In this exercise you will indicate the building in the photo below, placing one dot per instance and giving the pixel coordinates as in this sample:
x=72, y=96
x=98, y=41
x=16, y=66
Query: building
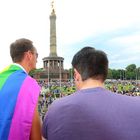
x=53, y=65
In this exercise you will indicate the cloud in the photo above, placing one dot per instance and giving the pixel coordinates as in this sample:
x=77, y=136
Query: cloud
x=122, y=46
x=125, y=60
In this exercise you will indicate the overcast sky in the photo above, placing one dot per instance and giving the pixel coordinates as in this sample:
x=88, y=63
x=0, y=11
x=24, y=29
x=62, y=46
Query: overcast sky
x=109, y=25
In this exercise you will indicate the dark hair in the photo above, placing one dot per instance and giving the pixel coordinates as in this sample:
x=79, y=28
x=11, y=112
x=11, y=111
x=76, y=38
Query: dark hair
x=91, y=63
x=19, y=47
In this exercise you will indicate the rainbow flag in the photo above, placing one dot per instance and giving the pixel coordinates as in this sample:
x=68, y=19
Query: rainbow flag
x=18, y=99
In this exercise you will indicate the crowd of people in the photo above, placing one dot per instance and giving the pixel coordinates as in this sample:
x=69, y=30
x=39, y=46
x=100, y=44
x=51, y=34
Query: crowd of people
x=125, y=87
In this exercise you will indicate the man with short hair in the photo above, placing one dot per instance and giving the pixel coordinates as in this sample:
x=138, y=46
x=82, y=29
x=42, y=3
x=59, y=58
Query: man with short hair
x=92, y=112
x=19, y=119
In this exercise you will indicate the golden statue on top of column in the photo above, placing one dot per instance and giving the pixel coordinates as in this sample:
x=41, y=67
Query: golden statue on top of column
x=52, y=5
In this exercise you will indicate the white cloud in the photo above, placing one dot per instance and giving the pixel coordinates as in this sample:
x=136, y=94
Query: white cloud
x=125, y=60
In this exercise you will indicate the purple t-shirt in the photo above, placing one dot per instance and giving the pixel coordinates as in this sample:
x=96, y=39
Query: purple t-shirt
x=93, y=114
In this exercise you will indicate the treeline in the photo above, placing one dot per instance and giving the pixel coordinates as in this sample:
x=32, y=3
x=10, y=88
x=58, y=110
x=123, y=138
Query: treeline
x=131, y=72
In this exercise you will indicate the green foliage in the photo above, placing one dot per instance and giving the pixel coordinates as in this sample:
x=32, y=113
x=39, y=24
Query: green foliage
x=109, y=76
x=131, y=68
x=32, y=72
x=71, y=72
x=130, y=73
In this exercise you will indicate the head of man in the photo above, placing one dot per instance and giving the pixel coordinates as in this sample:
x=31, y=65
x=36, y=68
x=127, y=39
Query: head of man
x=24, y=53
x=89, y=63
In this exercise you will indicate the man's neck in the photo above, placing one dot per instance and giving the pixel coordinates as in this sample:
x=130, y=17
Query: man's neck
x=23, y=66
x=90, y=83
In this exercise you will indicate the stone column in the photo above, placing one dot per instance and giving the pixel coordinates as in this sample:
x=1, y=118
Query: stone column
x=53, y=32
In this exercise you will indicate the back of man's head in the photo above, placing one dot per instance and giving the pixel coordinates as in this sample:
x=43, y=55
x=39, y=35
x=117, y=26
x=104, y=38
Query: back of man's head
x=19, y=47
x=91, y=63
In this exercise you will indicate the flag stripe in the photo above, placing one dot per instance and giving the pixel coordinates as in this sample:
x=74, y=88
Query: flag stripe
x=24, y=110
x=8, y=96
x=6, y=73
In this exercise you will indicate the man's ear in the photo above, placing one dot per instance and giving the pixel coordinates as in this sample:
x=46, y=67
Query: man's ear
x=29, y=55
x=77, y=75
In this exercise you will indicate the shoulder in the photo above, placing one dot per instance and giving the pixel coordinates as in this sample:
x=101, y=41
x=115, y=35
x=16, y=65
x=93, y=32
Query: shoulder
x=63, y=107
x=31, y=87
x=32, y=82
x=70, y=99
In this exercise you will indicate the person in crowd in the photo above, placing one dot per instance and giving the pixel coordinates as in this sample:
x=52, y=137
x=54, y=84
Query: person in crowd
x=92, y=112
x=19, y=119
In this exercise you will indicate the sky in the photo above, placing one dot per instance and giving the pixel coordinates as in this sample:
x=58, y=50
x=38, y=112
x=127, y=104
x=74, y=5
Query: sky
x=109, y=25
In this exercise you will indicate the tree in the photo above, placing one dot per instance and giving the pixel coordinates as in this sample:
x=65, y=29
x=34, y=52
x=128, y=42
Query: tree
x=115, y=74
x=131, y=72
x=131, y=67
x=109, y=75
x=71, y=73
x=33, y=72
x=138, y=73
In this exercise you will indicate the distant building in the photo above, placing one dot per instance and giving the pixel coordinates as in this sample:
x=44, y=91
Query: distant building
x=52, y=65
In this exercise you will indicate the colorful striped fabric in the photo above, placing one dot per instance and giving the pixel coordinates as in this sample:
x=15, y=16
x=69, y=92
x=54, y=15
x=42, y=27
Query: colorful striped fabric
x=18, y=98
